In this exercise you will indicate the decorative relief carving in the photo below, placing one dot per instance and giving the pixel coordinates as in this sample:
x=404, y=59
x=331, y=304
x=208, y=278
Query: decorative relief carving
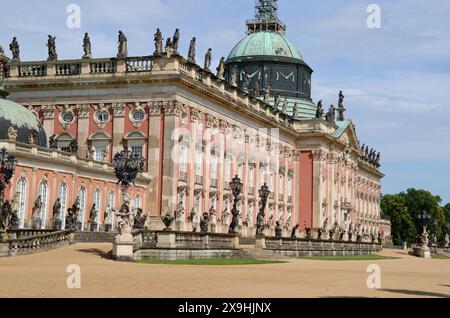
x=155, y=108
x=66, y=115
x=118, y=109
x=83, y=111
x=195, y=114
x=101, y=115
x=49, y=111
x=137, y=114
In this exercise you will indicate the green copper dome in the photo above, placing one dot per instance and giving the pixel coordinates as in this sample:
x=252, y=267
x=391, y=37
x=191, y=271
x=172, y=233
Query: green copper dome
x=23, y=120
x=265, y=43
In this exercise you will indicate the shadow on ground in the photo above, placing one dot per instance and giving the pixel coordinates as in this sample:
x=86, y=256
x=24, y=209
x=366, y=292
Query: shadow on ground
x=416, y=293
x=95, y=251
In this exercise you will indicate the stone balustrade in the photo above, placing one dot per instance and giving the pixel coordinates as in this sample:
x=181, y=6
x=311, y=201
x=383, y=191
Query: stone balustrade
x=304, y=247
x=183, y=240
x=28, y=242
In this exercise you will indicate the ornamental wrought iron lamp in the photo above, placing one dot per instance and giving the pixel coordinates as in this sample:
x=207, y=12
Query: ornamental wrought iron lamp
x=126, y=168
x=8, y=164
x=236, y=188
x=264, y=193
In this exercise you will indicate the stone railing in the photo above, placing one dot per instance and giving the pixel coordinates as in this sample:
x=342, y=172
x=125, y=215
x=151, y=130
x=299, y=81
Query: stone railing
x=300, y=247
x=139, y=64
x=67, y=69
x=31, y=70
x=103, y=66
x=22, y=233
x=183, y=240
x=41, y=241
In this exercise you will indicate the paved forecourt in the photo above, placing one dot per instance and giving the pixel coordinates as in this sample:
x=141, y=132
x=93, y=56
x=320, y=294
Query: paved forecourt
x=45, y=275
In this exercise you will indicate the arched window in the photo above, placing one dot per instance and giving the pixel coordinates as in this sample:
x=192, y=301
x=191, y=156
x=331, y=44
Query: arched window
x=43, y=192
x=289, y=186
x=100, y=145
x=251, y=176
x=63, y=142
x=97, y=201
x=63, y=200
x=82, y=197
x=22, y=189
x=137, y=202
x=136, y=142
x=281, y=185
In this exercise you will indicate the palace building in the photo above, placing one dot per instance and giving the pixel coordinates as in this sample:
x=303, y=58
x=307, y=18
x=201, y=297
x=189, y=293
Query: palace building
x=254, y=118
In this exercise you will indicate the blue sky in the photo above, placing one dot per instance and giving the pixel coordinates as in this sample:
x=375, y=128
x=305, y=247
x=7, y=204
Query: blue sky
x=396, y=79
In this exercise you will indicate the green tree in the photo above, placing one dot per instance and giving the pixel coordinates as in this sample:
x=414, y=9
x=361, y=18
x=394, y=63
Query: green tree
x=446, y=211
x=417, y=201
x=403, y=228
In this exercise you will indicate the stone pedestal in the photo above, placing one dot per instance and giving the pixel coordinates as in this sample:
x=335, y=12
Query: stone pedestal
x=166, y=240
x=57, y=224
x=4, y=248
x=422, y=251
x=260, y=241
x=36, y=224
x=123, y=248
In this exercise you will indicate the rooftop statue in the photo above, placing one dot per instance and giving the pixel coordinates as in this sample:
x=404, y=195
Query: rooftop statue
x=87, y=47
x=285, y=106
x=245, y=82
x=267, y=95
x=221, y=68
x=36, y=208
x=234, y=76
x=295, y=113
x=12, y=134
x=169, y=47
x=331, y=115
x=158, y=42
x=53, y=144
x=208, y=58
x=341, y=100
x=15, y=50
x=256, y=90
x=51, y=44
x=123, y=45
x=191, y=53
x=320, y=111
x=176, y=40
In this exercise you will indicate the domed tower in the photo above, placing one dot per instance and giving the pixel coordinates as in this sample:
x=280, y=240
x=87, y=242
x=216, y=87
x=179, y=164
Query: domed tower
x=17, y=116
x=267, y=57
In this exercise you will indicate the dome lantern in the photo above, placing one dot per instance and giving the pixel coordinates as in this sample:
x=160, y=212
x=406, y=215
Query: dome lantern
x=267, y=61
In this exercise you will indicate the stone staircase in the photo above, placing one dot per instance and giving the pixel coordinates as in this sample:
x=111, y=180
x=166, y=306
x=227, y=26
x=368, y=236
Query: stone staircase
x=252, y=252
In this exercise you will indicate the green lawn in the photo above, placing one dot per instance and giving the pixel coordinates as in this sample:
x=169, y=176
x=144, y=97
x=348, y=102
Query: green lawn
x=440, y=257
x=373, y=257
x=213, y=261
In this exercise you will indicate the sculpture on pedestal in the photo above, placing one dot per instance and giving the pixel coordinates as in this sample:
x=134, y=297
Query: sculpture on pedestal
x=51, y=44
x=278, y=231
x=35, y=218
x=139, y=220
x=73, y=147
x=87, y=47
x=15, y=206
x=267, y=95
x=169, y=47
x=123, y=46
x=15, y=50
x=208, y=59
x=236, y=188
x=295, y=113
x=93, y=218
x=245, y=82
x=176, y=40
x=320, y=111
x=52, y=142
x=57, y=223
x=447, y=241
x=204, y=223
x=125, y=216
x=168, y=221
x=191, y=53
x=12, y=134
x=221, y=68
x=32, y=138
x=263, y=195
x=331, y=115
x=256, y=90
x=284, y=109
x=73, y=215
x=294, y=232
x=234, y=76
x=158, y=42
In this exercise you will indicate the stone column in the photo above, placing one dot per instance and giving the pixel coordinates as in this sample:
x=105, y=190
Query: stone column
x=118, y=127
x=154, y=160
x=83, y=129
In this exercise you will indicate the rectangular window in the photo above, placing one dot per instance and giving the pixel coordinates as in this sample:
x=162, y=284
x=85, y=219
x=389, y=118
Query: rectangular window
x=137, y=151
